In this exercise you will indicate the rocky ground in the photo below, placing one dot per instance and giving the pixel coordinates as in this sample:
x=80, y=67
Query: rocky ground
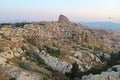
x=47, y=50
x=108, y=75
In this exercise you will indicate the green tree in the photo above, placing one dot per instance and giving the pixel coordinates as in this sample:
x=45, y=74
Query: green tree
x=25, y=65
x=114, y=59
x=76, y=78
x=74, y=71
x=12, y=78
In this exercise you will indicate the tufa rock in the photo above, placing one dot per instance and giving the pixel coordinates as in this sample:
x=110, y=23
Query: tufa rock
x=63, y=19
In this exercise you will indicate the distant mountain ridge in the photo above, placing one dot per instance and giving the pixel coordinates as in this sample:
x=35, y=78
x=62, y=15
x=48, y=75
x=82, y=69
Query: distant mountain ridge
x=103, y=25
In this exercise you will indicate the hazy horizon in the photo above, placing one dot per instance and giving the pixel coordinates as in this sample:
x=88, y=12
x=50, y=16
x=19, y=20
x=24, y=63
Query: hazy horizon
x=49, y=10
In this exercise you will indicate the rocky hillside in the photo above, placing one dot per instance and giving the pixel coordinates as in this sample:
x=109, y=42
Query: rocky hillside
x=47, y=50
x=108, y=75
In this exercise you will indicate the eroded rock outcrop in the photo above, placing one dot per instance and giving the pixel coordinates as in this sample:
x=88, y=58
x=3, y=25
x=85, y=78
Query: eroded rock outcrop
x=55, y=63
x=20, y=74
x=108, y=75
x=63, y=19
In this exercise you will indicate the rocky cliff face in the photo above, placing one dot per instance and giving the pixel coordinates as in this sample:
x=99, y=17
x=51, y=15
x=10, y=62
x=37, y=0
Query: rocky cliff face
x=53, y=46
x=55, y=63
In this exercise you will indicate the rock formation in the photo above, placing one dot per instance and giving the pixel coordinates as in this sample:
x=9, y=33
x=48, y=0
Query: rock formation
x=108, y=75
x=50, y=47
x=63, y=19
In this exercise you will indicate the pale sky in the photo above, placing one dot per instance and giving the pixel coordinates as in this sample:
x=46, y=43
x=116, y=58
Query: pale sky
x=49, y=10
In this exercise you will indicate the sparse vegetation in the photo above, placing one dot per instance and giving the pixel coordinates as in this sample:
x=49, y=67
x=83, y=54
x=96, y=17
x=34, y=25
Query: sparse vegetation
x=114, y=59
x=1, y=50
x=66, y=78
x=5, y=37
x=32, y=40
x=76, y=78
x=35, y=58
x=44, y=78
x=23, y=48
x=95, y=70
x=75, y=73
x=52, y=52
x=0, y=25
x=96, y=50
x=25, y=65
x=71, y=38
x=44, y=73
x=19, y=25
x=4, y=25
x=12, y=78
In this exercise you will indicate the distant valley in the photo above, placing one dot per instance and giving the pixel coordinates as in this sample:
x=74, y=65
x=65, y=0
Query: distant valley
x=103, y=25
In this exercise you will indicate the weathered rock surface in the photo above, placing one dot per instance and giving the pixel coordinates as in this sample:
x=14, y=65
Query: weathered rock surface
x=63, y=19
x=108, y=75
x=55, y=63
x=20, y=74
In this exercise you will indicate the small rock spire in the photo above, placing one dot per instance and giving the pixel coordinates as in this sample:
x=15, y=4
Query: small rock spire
x=63, y=19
